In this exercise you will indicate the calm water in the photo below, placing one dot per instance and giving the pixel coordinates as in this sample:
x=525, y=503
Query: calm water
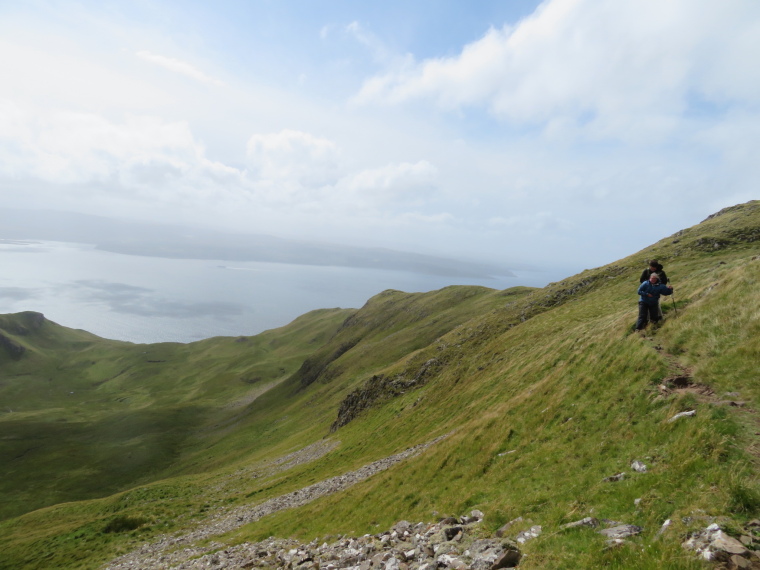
x=147, y=299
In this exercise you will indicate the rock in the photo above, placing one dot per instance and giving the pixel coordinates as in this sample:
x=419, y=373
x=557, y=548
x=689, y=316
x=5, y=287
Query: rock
x=615, y=543
x=688, y=414
x=638, y=467
x=738, y=562
x=12, y=347
x=509, y=559
x=725, y=543
x=455, y=562
x=663, y=528
x=451, y=533
x=622, y=531
x=589, y=522
x=526, y=535
x=613, y=478
x=714, y=544
x=485, y=552
x=431, y=550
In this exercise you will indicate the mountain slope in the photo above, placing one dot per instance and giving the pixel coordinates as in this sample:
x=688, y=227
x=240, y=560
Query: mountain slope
x=543, y=394
x=97, y=416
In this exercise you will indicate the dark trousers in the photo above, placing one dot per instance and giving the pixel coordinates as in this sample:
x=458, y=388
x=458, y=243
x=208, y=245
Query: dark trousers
x=647, y=313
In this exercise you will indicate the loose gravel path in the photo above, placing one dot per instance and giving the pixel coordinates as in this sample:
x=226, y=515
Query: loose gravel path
x=169, y=551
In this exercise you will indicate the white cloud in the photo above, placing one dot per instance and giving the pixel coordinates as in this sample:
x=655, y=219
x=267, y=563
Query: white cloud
x=177, y=66
x=553, y=127
x=394, y=180
x=376, y=47
x=295, y=157
x=85, y=158
x=69, y=147
x=626, y=70
x=307, y=173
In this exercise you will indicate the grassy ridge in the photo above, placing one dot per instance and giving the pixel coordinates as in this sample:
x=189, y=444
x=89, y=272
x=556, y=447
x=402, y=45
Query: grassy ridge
x=546, y=392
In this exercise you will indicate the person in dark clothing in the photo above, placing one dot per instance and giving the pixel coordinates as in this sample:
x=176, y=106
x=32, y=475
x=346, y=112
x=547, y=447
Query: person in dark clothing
x=649, y=300
x=654, y=267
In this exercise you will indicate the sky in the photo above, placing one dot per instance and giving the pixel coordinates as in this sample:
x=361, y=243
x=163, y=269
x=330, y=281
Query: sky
x=564, y=133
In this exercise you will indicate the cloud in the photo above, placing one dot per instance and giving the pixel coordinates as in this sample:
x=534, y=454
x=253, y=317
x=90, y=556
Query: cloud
x=607, y=70
x=177, y=66
x=394, y=180
x=66, y=147
x=306, y=174
x=16, y=293
x=291, y=169
x=379, y=51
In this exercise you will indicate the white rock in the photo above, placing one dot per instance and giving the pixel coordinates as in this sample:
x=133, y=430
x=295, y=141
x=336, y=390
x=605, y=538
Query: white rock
x=688, y=414
x=664, y=527
x=638, y=466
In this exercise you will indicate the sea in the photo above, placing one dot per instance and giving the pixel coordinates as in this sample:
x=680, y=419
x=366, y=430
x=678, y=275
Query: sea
x=151, y=299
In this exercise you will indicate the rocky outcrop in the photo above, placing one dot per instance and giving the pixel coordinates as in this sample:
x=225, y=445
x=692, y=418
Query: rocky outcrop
x=556, y=294
x=316, y=366
x=715, y=545
x=14, y=349
x=379, y=389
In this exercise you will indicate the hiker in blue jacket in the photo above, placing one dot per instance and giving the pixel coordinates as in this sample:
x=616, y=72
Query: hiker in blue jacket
x=649, y=298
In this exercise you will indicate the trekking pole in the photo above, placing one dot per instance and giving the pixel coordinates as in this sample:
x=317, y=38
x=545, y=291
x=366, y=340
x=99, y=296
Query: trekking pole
x=674, y=305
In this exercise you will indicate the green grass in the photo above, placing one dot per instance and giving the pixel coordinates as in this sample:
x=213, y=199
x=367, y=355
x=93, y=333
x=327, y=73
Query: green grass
x=544, y=392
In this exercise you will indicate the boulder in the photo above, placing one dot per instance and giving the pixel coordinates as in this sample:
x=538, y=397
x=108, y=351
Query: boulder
x=509, y=559
x=712, y=543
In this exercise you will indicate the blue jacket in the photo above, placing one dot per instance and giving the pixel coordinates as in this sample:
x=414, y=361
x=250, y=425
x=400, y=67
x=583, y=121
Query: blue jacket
x=647, y=289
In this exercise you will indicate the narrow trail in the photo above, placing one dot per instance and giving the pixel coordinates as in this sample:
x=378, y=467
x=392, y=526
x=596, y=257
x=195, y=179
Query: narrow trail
x=680, y=380
x=170, y=551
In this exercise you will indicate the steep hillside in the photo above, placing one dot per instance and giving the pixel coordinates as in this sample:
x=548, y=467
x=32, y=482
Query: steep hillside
x=538, y=398
x=103, y=416
x=84, y=417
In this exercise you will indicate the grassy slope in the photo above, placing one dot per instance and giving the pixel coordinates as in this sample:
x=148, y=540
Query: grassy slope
x=91, y=417
x=553, y=376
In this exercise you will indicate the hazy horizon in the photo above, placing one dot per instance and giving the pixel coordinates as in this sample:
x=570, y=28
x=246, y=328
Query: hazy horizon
x=158, y=299
x=505, y=133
